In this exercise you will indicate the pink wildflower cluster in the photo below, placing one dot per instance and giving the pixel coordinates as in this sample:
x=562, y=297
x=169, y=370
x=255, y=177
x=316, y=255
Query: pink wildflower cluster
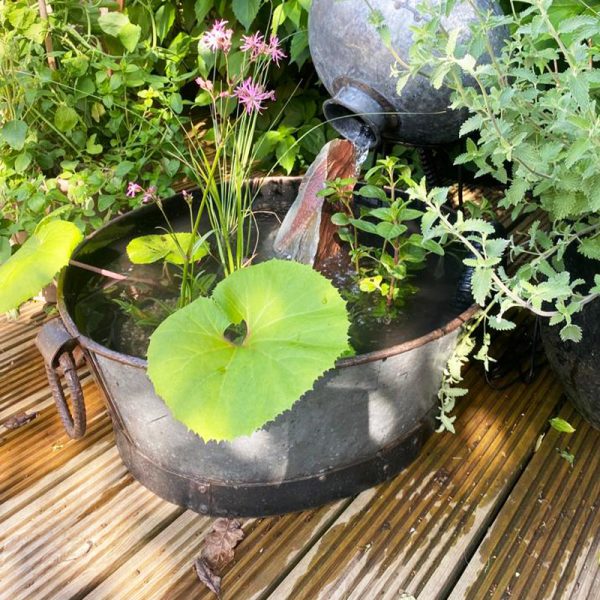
x=218, y=38
x=133, y=189
x=251, y=95
x=258, y=46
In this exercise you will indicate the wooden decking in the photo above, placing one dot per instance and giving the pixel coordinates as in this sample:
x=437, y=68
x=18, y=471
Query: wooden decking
x=481, y=514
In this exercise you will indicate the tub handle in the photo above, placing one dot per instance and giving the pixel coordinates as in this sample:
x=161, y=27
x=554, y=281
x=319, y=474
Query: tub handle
x=56, y=345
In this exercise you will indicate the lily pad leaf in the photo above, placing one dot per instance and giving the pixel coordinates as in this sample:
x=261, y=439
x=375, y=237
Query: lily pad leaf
x=291, y=326
x=169, y=247
x=36, y=263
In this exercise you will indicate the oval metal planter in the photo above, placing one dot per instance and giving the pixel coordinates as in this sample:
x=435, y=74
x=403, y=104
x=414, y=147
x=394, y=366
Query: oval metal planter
x=363, y=422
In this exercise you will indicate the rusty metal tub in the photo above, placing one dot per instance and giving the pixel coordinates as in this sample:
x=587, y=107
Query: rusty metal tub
x=364, y=421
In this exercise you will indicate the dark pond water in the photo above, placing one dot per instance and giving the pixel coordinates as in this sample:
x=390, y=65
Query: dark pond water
x=122, y=315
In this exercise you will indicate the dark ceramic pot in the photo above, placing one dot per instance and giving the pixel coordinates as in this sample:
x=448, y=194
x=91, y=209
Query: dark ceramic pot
x=578, y=364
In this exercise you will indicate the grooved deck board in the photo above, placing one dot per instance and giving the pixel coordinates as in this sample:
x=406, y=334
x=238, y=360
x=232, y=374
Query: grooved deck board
x=412, y=534
x=545, y=542
x=74, y=523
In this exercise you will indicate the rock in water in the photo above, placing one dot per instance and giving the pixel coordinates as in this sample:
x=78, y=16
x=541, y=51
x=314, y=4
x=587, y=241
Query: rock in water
x=302, y=234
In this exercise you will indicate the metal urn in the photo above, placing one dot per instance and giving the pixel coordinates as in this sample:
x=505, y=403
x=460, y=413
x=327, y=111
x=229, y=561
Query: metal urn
x=355, y=66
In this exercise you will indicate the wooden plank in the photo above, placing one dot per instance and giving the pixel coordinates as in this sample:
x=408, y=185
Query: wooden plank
x=411, y=535
x=271, y=547
x=545, y=542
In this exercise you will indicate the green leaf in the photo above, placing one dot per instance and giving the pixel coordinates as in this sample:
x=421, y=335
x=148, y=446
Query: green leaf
x=561, y=425
x=14, y=133
x=202, y=8
x=571, y=333
x=165, y=17
x=372, y=191
x=22, y=162
x=390, y=231
x=169, y=247
x=38, y=260
x=500, y=324
x=5, y=249
x=590, y=247
x=340, y=219
x=223, y=388
x=245, y=11
x=91, y=146
x=299, y=48
x=65, y=118
x=570, y=458
x=481, y=285
x=118, y=25
x=129, y=36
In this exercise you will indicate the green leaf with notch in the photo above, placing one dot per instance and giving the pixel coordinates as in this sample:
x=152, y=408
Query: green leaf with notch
x=223, y=388
x=36, y=263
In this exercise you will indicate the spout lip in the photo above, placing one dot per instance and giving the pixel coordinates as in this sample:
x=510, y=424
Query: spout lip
x=356, y=115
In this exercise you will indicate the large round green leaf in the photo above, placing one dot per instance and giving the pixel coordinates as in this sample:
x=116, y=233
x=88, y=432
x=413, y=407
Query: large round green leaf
x=35, y=264
x=296, y=326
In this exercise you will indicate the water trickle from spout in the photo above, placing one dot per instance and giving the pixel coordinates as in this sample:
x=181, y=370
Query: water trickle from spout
x=305, y=228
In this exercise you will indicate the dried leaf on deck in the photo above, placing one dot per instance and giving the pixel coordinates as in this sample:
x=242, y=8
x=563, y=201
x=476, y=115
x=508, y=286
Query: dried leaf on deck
x=18, y=420
x=221, y=541
x=218, y=552
x=207, y=577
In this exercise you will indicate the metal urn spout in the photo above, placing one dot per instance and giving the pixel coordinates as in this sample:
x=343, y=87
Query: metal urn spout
x=358, y=116
x=355, y=66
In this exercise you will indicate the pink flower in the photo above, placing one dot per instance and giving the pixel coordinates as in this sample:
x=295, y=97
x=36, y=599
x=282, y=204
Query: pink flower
x=255, y=44
x=204, y=84
x=149, y=194
x=133, y=189
x=251, y=95
x=218, y=38
x=273, y=50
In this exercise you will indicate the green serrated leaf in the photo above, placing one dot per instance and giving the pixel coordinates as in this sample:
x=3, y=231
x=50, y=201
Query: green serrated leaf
x=223, y=388
x=571, y=333
x=561, y=425
x=169, y=247
x=590, y=248
x=481, y=285
x=35, y=264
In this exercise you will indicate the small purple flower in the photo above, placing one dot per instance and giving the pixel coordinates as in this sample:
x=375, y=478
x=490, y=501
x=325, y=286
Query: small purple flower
x=218, y=38
x=273, y=50
x=133, y=189
x=251, y=95
x=255, y=44
x=149, y=195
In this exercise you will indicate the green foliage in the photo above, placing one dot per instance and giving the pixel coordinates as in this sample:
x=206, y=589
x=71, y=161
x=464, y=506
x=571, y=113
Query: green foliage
x=37, y=262
x=533, y=107
x=561, y=425
x=228, y=364
x=170, y=247
x=116, y=105
x=383, y=263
